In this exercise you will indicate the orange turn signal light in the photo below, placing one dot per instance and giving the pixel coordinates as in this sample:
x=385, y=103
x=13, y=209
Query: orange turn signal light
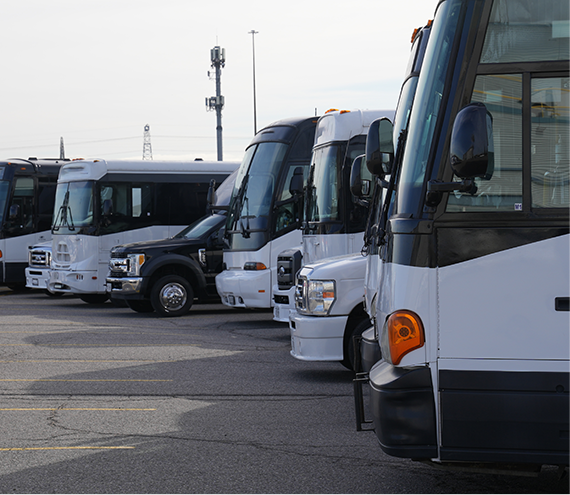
x=253, y=265
x=405, y=333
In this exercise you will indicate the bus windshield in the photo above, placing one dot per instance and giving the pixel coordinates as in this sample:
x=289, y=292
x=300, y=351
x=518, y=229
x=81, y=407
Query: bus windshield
x=323, y=192
x=249, y=216
x=73, y=210
x=426, y=107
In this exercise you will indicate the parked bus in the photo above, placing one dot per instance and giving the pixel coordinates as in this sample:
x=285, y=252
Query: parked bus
x=334, y=220
x=331, y=308
x=102, y=203
x=367, y=350
x=472, y=317
x=27, y=192
x=265, y=212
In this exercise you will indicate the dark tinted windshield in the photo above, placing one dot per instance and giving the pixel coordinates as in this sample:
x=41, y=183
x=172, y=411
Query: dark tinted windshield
x=202, y=228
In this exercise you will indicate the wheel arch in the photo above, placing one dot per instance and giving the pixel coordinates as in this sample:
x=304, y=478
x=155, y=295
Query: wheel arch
x=177, y=265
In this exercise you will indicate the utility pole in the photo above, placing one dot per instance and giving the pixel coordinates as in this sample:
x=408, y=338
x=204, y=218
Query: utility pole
x=253, y=33
x=147, y=148
x=218, y=59
x=61, y=149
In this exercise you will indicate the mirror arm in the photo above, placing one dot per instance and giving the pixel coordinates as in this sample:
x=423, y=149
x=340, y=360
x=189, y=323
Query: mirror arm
x=436, y=189
x=466, y=185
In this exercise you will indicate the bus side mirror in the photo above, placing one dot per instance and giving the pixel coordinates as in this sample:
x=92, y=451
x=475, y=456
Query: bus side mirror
x=296, y=184
x=358, y=187
x=471, y=147
x=211, y=197
x=380, y=147
x=14, y=212
x=107, y=207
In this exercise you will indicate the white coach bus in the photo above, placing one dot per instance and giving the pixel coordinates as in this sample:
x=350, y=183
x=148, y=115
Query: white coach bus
x=265, y=212
x=102, y=203
x=473, y=300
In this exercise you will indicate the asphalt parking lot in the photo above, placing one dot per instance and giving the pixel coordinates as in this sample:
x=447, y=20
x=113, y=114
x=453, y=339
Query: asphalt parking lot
x=100, y=399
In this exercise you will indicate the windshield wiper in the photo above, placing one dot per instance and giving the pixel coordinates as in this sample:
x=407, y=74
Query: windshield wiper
x=63, y=213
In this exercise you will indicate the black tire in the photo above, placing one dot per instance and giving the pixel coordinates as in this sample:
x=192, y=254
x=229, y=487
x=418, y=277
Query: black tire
x=172, y=295
x=349, y=350
x=94, y=298
x=140, y=305
x=17, y=288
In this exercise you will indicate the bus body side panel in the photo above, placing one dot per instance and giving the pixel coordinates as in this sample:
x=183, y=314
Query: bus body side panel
x=15, y=256
x=503, y=365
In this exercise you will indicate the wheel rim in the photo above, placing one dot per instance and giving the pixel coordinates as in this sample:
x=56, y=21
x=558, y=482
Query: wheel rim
x=173, y=297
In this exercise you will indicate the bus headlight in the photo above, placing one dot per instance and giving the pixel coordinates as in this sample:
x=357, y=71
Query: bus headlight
x=403, y=332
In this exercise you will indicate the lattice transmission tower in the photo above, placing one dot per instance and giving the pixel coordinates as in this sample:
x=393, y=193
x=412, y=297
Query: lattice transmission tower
x=147, y=148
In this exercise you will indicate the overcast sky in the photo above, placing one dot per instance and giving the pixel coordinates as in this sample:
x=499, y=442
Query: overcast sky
x=95, y=72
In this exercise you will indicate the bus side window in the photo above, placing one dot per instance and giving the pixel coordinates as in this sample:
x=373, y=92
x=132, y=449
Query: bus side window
x=549, y=159
x=502, y=96
x=176, y=201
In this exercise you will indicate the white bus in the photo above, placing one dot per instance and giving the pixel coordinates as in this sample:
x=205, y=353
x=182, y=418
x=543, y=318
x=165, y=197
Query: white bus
x=472, y=313
x=265, y=212
x=367, y=349
x=27, y=193
x=102, y=203
x=334, y=220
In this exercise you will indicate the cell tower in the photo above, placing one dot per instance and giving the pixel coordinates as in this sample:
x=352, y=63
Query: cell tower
x=147, y=148
x=218, y=58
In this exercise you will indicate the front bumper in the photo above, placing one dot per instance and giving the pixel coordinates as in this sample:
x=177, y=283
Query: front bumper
x=284, y=304
x=403, y=410
x=245, y=288
x=120, y=288
x=75, y=282
x=317, y=338
x=37, y=278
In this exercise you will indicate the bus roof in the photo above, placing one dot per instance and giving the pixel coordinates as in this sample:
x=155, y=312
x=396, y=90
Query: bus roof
x=96, y=169
x=341, y=125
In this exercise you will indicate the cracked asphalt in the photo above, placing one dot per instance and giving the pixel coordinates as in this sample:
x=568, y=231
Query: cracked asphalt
x=100, y=399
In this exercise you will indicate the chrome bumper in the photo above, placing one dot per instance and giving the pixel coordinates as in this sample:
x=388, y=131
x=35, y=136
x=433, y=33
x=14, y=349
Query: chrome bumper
x=124, y=285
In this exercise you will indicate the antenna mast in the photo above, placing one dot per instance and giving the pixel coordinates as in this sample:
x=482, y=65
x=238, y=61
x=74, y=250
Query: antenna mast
x=218, y=59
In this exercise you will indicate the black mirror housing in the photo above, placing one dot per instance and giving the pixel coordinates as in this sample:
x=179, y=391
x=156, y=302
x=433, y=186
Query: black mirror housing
x=297, y=183
x=380, y=147
x=356, y=176
x=211, y=197
x=14, y=212
x=471, y=147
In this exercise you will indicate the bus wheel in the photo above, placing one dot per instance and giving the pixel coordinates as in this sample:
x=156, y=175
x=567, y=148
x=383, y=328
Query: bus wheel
x=349, y=350
x=172, y=295
x=140, y=306
x=94, y=298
